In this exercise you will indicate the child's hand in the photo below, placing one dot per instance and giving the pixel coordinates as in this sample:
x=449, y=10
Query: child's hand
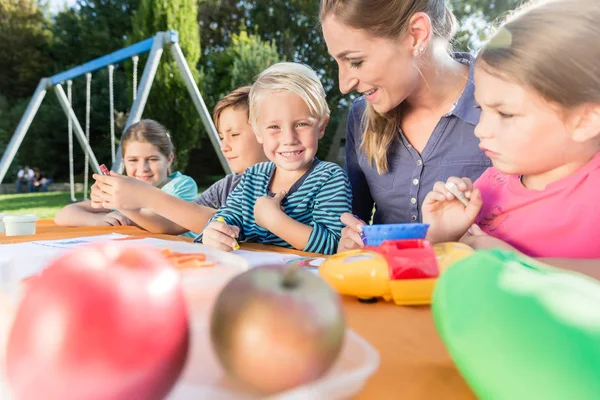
x=119, y=192
x=448, y=218
x=479, y=240
x=220, y=235
x=96, y=196
x=267, y=209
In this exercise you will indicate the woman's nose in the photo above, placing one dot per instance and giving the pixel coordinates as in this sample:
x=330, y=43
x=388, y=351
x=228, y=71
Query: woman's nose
x=347, y=82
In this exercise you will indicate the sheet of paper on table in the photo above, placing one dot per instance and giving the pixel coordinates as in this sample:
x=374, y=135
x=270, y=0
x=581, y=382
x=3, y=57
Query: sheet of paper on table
x=254, y=258
x=20, y=260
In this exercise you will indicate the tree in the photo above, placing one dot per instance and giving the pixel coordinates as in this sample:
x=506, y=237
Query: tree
x=24, y=42
x=169, y=102
x=251, y=56
x=475, y=17
x=92, y=29
x=238, y=65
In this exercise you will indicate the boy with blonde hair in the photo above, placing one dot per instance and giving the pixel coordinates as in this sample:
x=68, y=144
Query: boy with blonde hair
x=294, y=200
x=238, y=145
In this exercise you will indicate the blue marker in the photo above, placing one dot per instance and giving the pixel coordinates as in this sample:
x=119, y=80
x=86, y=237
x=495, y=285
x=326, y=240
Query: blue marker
x=361, y=233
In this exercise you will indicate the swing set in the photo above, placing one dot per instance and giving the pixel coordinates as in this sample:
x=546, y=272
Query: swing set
x=155, y=46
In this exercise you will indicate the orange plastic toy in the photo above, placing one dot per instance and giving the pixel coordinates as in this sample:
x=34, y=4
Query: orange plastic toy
x=404, y=271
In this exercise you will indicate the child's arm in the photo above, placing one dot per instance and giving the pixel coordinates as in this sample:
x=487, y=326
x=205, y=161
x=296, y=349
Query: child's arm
x=447, y=216
x=589, y=267
x=150, y=207
x=83, y=214
x=480, y=240
x=165, y=213
x=153, y=222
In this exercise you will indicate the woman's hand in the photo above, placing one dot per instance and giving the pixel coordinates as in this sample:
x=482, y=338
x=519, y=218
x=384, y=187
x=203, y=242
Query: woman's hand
x=220, y=235
x=351, y=233
x=119, y=192
x=447, y=217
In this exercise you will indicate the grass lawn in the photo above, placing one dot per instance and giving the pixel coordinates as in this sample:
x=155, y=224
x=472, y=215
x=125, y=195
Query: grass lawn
x=44, y=205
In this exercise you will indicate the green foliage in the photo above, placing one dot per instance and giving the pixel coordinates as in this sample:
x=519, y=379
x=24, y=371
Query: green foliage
x=475, y=18
x=96, y=28
x=250, y=56
x=238, y=64
x=24, y=47
x=169, y=101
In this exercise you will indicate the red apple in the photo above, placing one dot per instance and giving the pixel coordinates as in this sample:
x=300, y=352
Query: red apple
x=276, y=327
x=105, y=321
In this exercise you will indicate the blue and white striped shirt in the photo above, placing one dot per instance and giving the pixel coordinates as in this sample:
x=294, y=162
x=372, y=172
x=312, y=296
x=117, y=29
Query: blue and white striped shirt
x=317, y=199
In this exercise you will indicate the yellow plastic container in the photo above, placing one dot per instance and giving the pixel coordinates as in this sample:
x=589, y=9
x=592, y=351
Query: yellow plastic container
x=366, y=274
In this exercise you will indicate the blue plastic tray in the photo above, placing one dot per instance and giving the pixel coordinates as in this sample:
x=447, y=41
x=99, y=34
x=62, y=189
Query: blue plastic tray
x=376, y=234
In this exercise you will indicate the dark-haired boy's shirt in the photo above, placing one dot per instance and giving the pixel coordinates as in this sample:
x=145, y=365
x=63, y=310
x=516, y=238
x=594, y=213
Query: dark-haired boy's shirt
x=216, y=195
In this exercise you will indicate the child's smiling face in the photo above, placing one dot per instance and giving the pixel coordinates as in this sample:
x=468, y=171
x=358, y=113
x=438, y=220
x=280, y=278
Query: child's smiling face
x=145, y=161
x=288, y=131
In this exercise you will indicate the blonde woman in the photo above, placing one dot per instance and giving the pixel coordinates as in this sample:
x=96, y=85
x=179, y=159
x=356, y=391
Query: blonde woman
x=413, y=124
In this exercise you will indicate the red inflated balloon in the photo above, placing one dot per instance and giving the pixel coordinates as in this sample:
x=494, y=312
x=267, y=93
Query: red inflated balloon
x=106, y=321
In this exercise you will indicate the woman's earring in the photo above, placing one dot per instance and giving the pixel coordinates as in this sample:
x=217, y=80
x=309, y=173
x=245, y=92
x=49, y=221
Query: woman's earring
x=419, y=51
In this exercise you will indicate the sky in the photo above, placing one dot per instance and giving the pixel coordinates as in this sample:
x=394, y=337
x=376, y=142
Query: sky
x=58, y=5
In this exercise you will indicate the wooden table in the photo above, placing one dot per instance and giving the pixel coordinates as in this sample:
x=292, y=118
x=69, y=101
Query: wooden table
x=414, y=362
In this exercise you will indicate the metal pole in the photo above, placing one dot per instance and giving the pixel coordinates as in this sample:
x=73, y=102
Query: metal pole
x=64, y=102
x=144, y=89
x=26, y=119
x=188, y=79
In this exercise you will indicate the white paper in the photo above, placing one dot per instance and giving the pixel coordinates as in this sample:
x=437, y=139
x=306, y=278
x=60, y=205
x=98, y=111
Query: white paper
x=257, y=258
x=77, y=241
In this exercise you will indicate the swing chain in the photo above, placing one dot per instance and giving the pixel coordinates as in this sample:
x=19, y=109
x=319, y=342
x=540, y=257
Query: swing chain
x=88, y=91
x=111, y=95
x=70, y=124
x=135, y=60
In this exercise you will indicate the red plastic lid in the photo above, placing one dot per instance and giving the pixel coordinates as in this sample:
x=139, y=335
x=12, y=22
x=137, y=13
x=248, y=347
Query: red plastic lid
x=409, y=259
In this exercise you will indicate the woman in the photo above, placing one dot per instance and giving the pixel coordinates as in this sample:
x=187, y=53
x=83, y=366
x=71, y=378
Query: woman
x=414, y=123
